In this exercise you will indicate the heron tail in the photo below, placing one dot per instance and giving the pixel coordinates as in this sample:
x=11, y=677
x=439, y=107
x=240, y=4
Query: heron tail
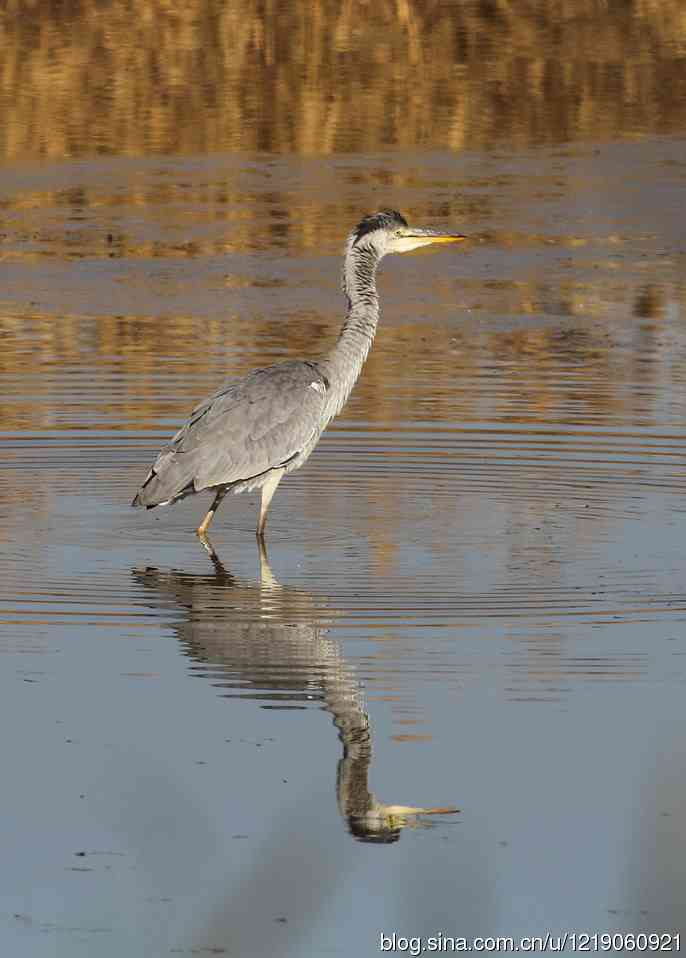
x=166, y=482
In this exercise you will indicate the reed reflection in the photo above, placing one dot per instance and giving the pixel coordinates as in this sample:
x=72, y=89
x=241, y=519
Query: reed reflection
x=265, y=641
x=327, y=77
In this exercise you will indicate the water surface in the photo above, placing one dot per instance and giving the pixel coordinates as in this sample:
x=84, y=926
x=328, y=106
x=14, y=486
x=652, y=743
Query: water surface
x=474, y=593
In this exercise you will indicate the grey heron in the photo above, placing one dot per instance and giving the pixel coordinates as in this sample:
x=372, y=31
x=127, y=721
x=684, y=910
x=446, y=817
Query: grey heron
x=255, y=430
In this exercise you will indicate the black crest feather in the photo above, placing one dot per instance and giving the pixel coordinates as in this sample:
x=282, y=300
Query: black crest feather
x=386, y=219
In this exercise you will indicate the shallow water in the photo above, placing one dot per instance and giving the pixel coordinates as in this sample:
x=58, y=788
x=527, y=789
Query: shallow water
x=474, y=593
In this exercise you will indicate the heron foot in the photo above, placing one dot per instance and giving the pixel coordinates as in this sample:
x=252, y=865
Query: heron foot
x=206, y=544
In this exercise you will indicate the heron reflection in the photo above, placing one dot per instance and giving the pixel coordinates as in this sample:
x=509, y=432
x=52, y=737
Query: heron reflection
x=274, y=641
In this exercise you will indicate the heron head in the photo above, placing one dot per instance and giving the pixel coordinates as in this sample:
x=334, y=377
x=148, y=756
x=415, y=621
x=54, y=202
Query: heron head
x=388, y=232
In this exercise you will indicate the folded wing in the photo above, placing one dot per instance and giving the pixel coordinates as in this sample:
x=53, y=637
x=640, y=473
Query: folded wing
x=247, y=428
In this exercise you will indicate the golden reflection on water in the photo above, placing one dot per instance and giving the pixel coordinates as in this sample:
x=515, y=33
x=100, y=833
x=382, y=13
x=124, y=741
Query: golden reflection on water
x=323, y=77
x=582, y=375
x=551, y=346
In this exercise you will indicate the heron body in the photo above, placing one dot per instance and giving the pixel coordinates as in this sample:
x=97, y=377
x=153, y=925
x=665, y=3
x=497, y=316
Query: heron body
x=255, y=430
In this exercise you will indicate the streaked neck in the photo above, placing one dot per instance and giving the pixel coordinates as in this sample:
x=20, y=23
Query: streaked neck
x=344, y=363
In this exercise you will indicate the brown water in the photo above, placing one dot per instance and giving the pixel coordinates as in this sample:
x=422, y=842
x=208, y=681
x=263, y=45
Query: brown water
x=475, y=590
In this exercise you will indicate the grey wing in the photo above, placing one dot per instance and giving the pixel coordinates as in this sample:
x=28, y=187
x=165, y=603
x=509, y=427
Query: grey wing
x=248, y=427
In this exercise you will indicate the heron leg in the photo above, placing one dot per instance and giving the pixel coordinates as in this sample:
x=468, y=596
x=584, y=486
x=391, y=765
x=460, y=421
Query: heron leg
x=268, y=490
x=208, y=547
x=204, y=525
